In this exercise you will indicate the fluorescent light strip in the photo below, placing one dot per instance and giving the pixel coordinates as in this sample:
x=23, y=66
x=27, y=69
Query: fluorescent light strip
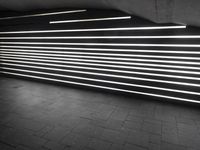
x=140, y=68
x=90, y=57
x=100, y=29
x=96, y=63
x=109, y=62
x=109, y=37
x=55, y=53
x=127, y=84
x=89, y=20
x=169, y=70
x=107, y=75
x=101, y=87
x=44, y=14
x=101, y=69
x=101, y=49
x=104, y=44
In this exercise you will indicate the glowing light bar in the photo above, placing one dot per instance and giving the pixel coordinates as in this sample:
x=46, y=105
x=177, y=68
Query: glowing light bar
x=134, y=85
x=100, y=29
x=79, y=56
x=98, y=86
x=101, y=49
x=109, y=37
x=44, y=14
x=104, y=44
x=102, y=74
x=96, y=54
x=89, y=20
x=110, y=62
x=97, y=63
x=102, y=69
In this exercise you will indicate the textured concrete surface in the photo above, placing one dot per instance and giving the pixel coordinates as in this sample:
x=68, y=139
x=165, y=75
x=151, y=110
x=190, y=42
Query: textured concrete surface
x=50, y=117
x=160, y=11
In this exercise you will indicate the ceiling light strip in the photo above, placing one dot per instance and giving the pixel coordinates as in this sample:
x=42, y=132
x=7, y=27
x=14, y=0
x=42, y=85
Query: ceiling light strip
x=55, y=53
x=94, y=30
x=97, y=63
x=101, y=49
x=44, y=14
x=101, y=69
x=101, y=87
x=109, y=62
x=107, y=75
x=105, y=44
x=90, y=20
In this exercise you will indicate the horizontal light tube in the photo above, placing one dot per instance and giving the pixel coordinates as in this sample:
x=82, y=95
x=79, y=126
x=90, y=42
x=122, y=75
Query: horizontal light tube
x=102, y=69
x=104, y=58
x=100, y=29
x=97, y=63
x=101, y=49
x=118, y=83
x=101, y=87
x=104, y=44
x=110, y=62
x=109, y=37
x=107, y=75
x=56, y=53
x=65, y=57
x=44, y=14
x=89, y=20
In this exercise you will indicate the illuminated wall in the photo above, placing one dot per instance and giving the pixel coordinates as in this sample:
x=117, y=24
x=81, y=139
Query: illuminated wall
x=104, y=49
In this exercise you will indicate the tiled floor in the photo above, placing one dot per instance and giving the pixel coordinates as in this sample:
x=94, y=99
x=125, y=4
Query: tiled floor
x=39, y=116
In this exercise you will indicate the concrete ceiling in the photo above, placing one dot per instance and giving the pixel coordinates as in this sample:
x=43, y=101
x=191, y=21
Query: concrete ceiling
x=160, y=11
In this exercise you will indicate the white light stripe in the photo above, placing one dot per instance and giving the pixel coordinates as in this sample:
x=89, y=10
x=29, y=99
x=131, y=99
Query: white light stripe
x=102, y=49
x=101, y=87
x=90, y=57
x=100, y=29
x=142, y=86
x=110, y=37
x=89, y=20
x=44, y=14
x=107, y=75
x=102, y=69
x=110, y=62
x=56, y=53
x=96, y=63
x=105, y=44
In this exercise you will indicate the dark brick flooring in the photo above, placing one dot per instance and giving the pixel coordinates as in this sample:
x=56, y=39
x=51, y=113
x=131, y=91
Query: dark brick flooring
x=39, y=116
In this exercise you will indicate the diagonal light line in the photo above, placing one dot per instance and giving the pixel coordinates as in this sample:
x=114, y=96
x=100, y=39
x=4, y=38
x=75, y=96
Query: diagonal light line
x=44, y=14
x=105, y=44
x=102, y=49
x=110, y=62
x=114, y=64
x=56, y=53
x=89, y=20
x=101, y=69
x=157, y=88
x=94, y=30
x=109, y=37
x=93, y=85
x=107, y=75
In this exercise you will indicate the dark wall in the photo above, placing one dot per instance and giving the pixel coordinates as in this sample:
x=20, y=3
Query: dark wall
x=154, y=65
